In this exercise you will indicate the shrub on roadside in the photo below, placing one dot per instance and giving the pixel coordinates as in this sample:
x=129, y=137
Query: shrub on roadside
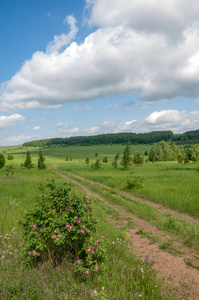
x=61, y=225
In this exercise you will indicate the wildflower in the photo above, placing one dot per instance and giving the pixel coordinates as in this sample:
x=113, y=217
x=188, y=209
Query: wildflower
x=40, y=229
x=53, y=191
x=67, y=225
x=85, y=205
x=54, y=236
x=95, y=228
x=87, y=272
x=55, y=230
x=93, y=251
x=56, y=197
x=79, y=261
x=91, y=262
x=34, y=252
x=88, y=230
x=78, y=221
x=96, y=268
x=29, y=252
x=82, y=231
x=71, y=204
x=88, y=201
x=34, y=226
x=58, y=235
x=88, y=212
x=83, y=226
x=70, y=227
x=102, y=236
x=89, y=249
x=76, y=217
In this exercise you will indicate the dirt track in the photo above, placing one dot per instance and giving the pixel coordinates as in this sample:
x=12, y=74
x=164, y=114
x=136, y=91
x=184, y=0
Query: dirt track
x=171, y=268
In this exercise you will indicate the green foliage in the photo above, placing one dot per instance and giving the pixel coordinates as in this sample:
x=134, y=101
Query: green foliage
x=9, y=156
x=96, y=154
x=87, y=160
x=138, y=159
x=96, y=165
x=105, y=159
x=163, y=152
x=28, y=162
x=9, y=170
x=67, y=158
x=2, y=160
x=41, y=165
x=115, y=159
x=126, y=159
x=136, y=182
x=62, y=225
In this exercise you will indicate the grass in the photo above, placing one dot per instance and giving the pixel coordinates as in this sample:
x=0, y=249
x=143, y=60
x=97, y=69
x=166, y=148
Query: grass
x=126, y=276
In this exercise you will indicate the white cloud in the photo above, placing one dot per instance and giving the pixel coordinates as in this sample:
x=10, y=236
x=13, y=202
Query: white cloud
x=36, y=128
x=63, y=40
x=20, y=138
x=141, y=45
x=8, y=121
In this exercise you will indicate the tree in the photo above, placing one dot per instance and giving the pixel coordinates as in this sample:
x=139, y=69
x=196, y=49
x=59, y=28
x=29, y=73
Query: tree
x=138, y=159
x=126, y=159
x=2, y=161
x=41, y=165
x=28, y=162
x=87, y=160
x=96, y=165
x=114, y=162
x=10, y=156
x=105, y=159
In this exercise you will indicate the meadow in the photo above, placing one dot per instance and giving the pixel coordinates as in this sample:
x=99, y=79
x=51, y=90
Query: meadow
x=169, y=184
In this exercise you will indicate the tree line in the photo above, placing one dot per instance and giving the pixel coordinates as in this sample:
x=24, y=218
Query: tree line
x=189, y=137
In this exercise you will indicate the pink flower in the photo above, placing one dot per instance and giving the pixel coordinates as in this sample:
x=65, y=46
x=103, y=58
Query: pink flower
x=55, y=197
x=96, y=268
x=88, y=230
x=34, y=226
x=23, y=229
x=79, y=261
x=86, y=241
x=83, y=226
x=55, y=230
x=75, y=217
x=85, y=205
x=88, y=201
x=103, y=250
x=93, y=244
x=95, y=228
x=87, y=272
x=70, y=227
x=88, y=212
x=58, y=235
x=78, y=221
x=71, y=209
x=54, y=236
x=93, y=251
x=40, y=229
x=34, y=252
x=82, y=230
x=102, y=236
x=29, y=252
x=89, y=249
x=71, y=204
x=53, y=191
x=67, y=226
x=91, y=262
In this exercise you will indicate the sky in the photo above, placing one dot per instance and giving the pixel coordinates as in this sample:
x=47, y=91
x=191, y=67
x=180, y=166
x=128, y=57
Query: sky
x=88, y=67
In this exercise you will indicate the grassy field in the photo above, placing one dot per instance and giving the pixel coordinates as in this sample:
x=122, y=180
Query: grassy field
x=167, y=183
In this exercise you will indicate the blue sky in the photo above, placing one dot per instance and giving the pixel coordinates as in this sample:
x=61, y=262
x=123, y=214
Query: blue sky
x=97, y=66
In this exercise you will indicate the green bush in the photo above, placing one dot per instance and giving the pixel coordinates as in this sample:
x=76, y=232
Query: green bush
x=2, y=161
x=63, y=225
x=136, y=182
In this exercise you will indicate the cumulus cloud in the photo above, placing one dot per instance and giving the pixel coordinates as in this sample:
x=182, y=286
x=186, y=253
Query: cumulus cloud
x=140, y=45
x=8, y=121
x=36, y=128
x=20, y=138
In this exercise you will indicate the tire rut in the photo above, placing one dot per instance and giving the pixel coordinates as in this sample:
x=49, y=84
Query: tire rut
x=171, y=268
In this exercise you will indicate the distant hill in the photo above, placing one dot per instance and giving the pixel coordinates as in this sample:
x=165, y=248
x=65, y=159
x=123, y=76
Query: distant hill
x=188, y=137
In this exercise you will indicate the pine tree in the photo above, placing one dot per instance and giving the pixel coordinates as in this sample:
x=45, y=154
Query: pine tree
x=126, y=159
x=138, y=159
x=41, y=165
x=2, y=161
x=28, y=162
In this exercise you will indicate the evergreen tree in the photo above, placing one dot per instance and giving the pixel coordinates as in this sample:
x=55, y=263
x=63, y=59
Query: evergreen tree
x=114, y=162
x=41, y=165
x=2, y=161
x=138, y=159
x=126, y=159
x=28, y=162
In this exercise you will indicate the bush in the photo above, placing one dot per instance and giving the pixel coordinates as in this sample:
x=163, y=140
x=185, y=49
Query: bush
x=96, y=165
x=105, y=159
x=136, y=182
x=63, y=225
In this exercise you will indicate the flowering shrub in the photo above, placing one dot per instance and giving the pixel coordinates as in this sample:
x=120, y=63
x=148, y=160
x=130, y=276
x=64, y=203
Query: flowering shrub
x=62, y=224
